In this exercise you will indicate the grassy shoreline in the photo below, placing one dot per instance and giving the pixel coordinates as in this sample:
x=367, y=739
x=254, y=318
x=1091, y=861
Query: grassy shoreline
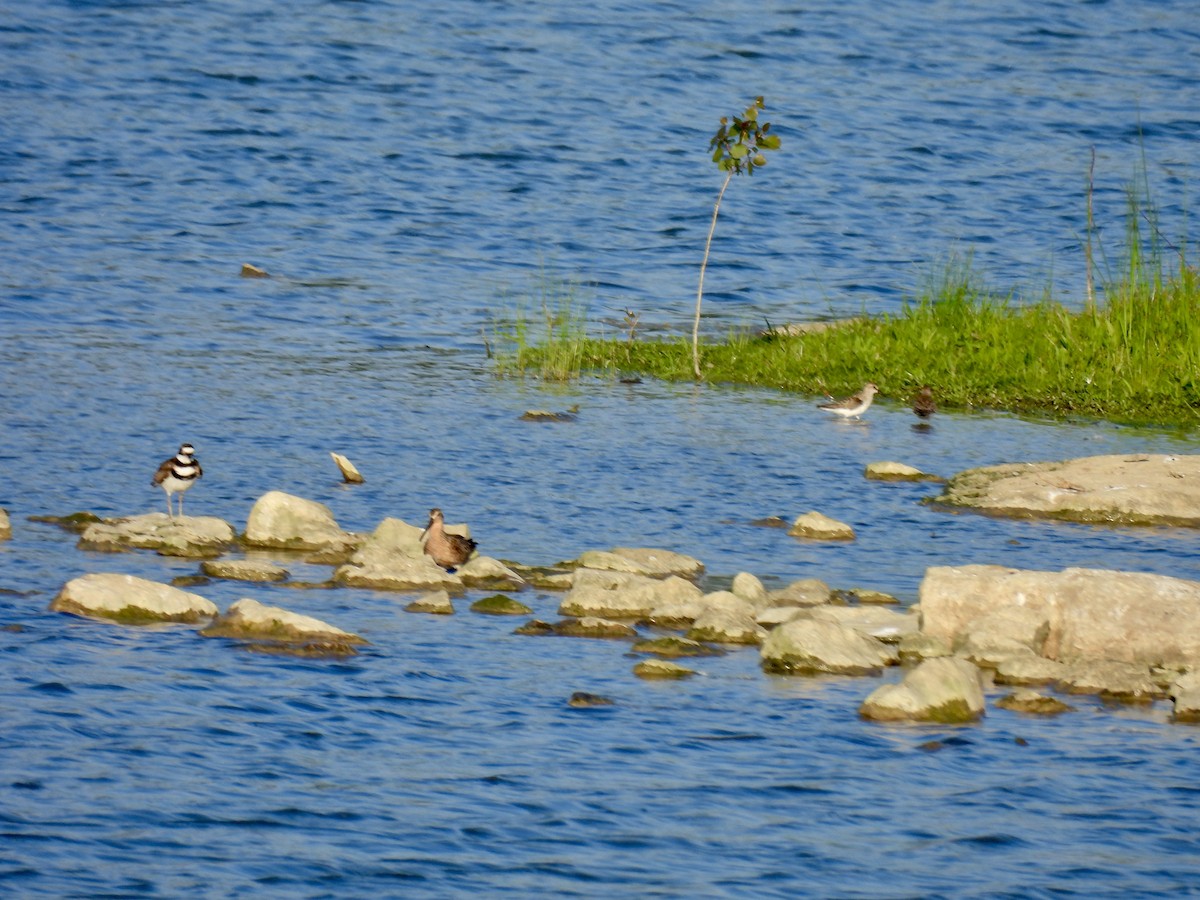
x=1133, y=359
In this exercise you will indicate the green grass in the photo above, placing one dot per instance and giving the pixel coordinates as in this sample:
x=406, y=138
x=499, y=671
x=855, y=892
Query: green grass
x=1132, y=358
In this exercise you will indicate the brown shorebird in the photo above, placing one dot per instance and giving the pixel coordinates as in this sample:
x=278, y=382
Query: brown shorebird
x=852, y=407
x=448, y=550
x=923, y=404
x=177, y=474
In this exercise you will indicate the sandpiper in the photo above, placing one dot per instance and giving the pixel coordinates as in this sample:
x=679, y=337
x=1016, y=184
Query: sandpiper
x=923, y=404
x=448, y=550
x=852, y=407
x=177, y=474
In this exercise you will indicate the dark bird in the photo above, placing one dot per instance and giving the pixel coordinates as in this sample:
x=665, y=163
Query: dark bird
x=448, y=550
x=177, y=474
x=852, y=407
x=923, y=404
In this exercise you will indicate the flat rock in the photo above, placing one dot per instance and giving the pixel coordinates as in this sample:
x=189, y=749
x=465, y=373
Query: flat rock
x=626, y=595
x=393, y=559
x=500, y=605
x=887, y=625
x=896, y=471
x=642, y=561
x=187, y=536
x=248, y=618
x=130, y=600
x=675, y=647
x=244, y=570
x=810, y=647
x=437, y=602
x=284, y=521
x=816, y=526
x=1028, y=701
x=944, y=689
x=1087, y=613
x=661, y=668
x=1119, y=489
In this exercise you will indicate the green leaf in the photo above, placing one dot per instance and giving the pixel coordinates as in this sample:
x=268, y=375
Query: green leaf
x=759, y=160
x=717, y=154
x=769, y=142
x=739, y=151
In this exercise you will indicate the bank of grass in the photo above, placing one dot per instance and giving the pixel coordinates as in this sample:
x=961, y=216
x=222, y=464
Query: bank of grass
x=1133, y=358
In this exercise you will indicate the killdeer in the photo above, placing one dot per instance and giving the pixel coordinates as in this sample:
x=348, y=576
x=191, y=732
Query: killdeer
x=177, y=474
x=448, y=550
x=852, y=407
x=923, y=404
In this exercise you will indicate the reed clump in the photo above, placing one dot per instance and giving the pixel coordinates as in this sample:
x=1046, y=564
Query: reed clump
x=1133, y=357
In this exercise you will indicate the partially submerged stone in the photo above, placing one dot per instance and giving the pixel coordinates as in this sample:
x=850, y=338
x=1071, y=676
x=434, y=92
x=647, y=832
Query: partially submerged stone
x=131, y=601
x=187, y=536
x=244, y=570
x=1114, y=680
x=1028, y=701
x=350, y=474
x=1185, y=694
x=584, y=700
x=816, y=526
x=642, y=561
x=896, y=471
x=438, y=603
x=802, y=592
x=919, y=645
x=586, y=626
x=393, y=559
x=1119, y=489
x=660, y=668
x=867, y=596
x=727, y=622
x=76, y=521
x=878, y=622
x=485, y=572
x=945, y=689
x=810, y=647
x=5, y=525
x=751, y=588
x=617, y=594
x=675, y=647
x=500, y=605
x=250, y=620
x=284, y=521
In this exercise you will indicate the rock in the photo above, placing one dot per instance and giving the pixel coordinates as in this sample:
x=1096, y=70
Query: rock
x=131, y=601
x=287, y=522
x=866, y=596
x=641, y=561
x=253, y=620
x=5, y=525
x=1115, y=680
x=438, y=603
x=1089, y=613
x=485, y=572
x=1185, y=692
x=616, y=594
x=802, y=592
x=187, y=536
x=879, y=622
x=252, y=271
x=1025, y=668
x=818, y=527
x=392, y=558
x=582, y=699
x=543, y=415
x=675, y=647
x=593, y=627
x=1027, y=701
x=545, y=578
x=895, y=471
x=918, y=645
x=777, y=615
x=1141, y=489
x=500, y=605
x=658, y=668
x=944, y=689
x=77, y=522
x=728, y=619
x=1004, y=633
x=809, y=647
x=751, y=588
x=350, y=475
x=244, y=570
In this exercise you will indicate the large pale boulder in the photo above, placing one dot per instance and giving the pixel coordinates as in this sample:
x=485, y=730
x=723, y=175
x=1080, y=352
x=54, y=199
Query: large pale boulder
x=189, y=536
x=1083, y=613
x=130, y=600
x=750, y=587
x=288, y=522
x=1139, y=489
x=393, y=559
x=642, y=561
x=612, y=593
x=943, y=689
x=809, y=647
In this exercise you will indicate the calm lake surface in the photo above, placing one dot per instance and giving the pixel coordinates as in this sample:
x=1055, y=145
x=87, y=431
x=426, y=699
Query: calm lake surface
x=412, y=174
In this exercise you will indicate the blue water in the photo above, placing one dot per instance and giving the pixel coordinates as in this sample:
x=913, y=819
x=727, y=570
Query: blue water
x=411, y=174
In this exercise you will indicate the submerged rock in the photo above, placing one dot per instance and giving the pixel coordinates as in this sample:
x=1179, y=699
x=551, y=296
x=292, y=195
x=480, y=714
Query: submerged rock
x=250, y=620
x=587, y=626
x=944, y=689
x=500, y=605
x=659, y=668
x=675, y=647
x=244, y=570
x=284, y=521
x=809, y=647
x=188, y=536
x=1141, y=489
x=583, y=700
x=131, y=601
x=819, y=527
x=1027, y=701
